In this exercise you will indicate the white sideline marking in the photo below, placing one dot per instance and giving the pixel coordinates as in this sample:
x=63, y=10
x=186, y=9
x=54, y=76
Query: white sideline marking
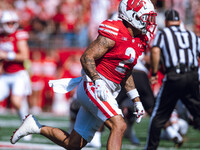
x=31, y=146
x=20, y=146
x=17, y=123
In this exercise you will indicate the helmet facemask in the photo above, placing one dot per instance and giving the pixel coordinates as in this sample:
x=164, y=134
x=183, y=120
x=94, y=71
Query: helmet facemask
x=10, y=28
x=9, y=21
x=149, y=21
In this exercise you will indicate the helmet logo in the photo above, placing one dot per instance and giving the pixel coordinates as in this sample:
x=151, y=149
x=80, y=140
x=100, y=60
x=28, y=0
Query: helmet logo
x=136, y=5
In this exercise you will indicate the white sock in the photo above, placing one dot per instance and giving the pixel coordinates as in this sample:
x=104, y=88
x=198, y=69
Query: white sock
x=23, y=112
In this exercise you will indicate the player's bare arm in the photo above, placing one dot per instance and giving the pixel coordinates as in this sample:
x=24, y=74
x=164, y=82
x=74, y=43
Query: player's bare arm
x=129, y=84
x=23, y=50
x=95, y=51
x=155, y=58
x=21, y=55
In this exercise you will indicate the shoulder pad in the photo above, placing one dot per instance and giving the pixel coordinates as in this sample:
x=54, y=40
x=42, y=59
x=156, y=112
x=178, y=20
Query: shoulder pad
x=109, y=28
x=21, y=35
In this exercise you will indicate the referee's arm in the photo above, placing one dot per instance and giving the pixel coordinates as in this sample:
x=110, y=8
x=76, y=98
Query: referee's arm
x=155, y=59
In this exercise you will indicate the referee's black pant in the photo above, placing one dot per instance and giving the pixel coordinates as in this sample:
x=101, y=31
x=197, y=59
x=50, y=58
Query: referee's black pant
x=175, y=86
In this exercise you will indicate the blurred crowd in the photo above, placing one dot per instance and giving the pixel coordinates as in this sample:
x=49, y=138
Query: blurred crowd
x=51, y=65
x=45, y=65
x=60, y=30
x=74, y=23
x=61, y=23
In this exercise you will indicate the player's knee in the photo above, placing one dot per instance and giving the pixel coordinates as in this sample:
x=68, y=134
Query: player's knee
x=120, y=127
x=124, y=127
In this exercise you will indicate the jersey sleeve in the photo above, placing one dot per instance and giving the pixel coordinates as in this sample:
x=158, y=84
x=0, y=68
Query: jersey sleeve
x=108, y=29
x=22, y=35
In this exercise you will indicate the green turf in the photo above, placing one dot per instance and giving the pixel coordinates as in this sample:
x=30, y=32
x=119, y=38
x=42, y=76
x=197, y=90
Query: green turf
x=10, y=121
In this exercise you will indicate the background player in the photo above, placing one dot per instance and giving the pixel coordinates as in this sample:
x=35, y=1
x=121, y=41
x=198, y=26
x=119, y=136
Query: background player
x=14, y=51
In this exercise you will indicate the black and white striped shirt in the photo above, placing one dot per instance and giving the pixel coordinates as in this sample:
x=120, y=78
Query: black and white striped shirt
x=178, y=46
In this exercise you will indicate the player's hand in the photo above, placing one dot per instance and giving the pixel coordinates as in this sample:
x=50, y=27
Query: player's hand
x=101, y=91
x=139, y=111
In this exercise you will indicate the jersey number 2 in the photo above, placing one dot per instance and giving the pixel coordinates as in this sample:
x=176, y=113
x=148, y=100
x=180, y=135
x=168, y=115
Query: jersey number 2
x=129, y=52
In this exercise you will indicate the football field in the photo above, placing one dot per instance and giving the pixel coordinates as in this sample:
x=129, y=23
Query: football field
x=9, y=122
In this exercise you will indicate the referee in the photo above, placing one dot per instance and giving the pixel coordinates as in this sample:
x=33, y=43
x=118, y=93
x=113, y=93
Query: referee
x=179, y=50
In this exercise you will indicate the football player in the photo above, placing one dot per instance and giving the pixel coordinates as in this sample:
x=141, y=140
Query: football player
x=107, y=65
x=14, y=50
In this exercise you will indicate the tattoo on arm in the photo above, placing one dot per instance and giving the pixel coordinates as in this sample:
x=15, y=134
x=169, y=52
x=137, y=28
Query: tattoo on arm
x=96, y=50
x=129, y=82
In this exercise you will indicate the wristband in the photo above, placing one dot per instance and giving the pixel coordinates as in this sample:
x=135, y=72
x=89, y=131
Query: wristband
x=132, y=94
x=11, y=55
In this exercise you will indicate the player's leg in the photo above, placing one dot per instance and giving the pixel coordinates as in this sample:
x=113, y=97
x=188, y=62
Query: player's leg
x=20, y=103
x=171, y=132
x=191, y=98
x=183, y=126
x=117, y=128
x=21, y=90
x=58, y=136
x=21, y=87
x=74, y=108
x=17, y=104
x=161, y=114
x=86, y=125
x=108, y=112
x=96, y=140
x=62, y=138
x=4, y=87
x=128, y=109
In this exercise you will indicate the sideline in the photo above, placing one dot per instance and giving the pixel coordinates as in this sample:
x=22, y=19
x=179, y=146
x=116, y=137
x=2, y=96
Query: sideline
x=31, y=146
x=28, y=146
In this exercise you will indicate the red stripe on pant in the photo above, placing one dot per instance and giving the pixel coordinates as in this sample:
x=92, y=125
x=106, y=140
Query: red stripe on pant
x=107, y=105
